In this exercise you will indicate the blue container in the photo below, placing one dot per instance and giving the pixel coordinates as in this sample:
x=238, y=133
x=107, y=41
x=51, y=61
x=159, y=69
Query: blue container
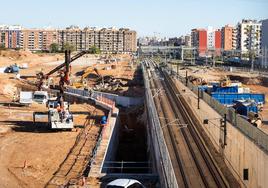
x=245, y=108
x=231, y=89
x=230, y=98
x=103, y=120
x=203, y=88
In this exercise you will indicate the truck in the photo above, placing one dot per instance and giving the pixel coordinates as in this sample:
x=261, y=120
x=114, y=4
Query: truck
x=40, y=97
x=59, y=115
x=26, y=97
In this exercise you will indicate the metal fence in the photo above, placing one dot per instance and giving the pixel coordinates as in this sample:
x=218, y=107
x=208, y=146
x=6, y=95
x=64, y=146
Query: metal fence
x=163, y=162
x=255, y=134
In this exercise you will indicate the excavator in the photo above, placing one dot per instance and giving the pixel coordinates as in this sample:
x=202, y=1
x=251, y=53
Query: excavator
x=82, y=82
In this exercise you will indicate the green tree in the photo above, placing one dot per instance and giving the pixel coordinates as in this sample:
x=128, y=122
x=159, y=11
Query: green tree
x=2, y=47
x=54, y=48
x=68, y=46
x=94, y=50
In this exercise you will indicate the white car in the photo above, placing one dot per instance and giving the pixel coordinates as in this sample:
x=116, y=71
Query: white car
x=124, y=183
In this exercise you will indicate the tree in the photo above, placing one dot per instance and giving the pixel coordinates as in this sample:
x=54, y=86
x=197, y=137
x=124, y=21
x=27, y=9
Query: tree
x=94, y=50
x=54, y=48
x=2, y=47
x=68, y=46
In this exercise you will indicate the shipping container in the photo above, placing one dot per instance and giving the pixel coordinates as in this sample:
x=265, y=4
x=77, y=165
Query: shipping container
x=231, y=89
x=230, y=98
x=243, y=108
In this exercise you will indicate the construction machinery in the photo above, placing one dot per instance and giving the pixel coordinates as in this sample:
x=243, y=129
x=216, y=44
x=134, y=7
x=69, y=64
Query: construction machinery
x=82, y=82
x=59, y=116
x=12, y=69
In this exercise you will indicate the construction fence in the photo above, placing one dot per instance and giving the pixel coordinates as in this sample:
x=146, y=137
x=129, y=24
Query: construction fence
x=156, y=141
x=255, y=134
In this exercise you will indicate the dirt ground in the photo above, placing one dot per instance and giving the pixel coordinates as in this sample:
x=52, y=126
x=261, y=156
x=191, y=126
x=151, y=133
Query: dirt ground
x=30, y=154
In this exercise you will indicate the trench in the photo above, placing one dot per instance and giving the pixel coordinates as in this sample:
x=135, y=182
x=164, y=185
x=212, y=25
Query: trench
x=132, y=147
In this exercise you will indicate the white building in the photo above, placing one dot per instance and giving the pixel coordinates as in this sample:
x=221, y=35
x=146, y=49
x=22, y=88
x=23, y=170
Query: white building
x=249, y=36
x=210, y=37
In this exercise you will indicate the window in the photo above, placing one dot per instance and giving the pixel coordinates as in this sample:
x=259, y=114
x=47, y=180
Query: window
x=135, y=185
x=245, y=174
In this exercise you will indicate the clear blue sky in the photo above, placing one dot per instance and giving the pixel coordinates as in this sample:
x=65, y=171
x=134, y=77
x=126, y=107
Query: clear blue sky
x=167, y=17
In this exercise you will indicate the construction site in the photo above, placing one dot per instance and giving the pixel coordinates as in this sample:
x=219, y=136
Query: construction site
x=49, y=134
x=102, y=120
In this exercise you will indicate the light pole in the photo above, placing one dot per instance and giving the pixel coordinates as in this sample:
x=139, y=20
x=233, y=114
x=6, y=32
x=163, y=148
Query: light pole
x=223, y=128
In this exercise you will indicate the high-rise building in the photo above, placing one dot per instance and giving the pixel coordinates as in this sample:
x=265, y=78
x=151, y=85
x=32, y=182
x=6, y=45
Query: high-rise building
x=214, y=39
x=264, y=34
x=227, y=37
x=199, y=40
x=249, y=36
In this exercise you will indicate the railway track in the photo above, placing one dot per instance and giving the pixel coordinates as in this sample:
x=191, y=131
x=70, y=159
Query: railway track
x=193, y=164
x=77, y=159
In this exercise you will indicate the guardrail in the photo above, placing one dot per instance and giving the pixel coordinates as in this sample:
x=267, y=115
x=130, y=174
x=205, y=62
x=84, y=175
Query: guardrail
x=255, y=134
x=164, y=165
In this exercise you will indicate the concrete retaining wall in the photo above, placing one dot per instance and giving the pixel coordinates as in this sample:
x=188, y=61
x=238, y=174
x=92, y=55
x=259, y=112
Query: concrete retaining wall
x=161, y=161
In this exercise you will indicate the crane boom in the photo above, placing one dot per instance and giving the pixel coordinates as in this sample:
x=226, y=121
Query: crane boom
x=80, y=54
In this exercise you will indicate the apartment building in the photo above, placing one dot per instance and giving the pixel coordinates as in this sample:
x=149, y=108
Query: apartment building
x=249, y=36
x=227, y=37
x=188, y=40
x=109, y=40
x=10, y=36
x=199, y=40
x=214, y=39
x=37, y=39
x=264, y=34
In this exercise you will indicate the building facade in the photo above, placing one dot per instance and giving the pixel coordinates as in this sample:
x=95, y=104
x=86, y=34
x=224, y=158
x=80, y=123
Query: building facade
x=249, y=36
x=264, y=34
x=227, y=38
x=109, y=40
x=199, y=40
x=36, y=39
x=10, y=36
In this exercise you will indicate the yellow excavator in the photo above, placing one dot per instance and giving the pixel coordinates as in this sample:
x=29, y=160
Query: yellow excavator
x=82, y=82
x=225, y=82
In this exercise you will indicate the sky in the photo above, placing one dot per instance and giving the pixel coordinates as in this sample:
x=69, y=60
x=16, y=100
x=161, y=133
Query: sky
x=148, y=17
